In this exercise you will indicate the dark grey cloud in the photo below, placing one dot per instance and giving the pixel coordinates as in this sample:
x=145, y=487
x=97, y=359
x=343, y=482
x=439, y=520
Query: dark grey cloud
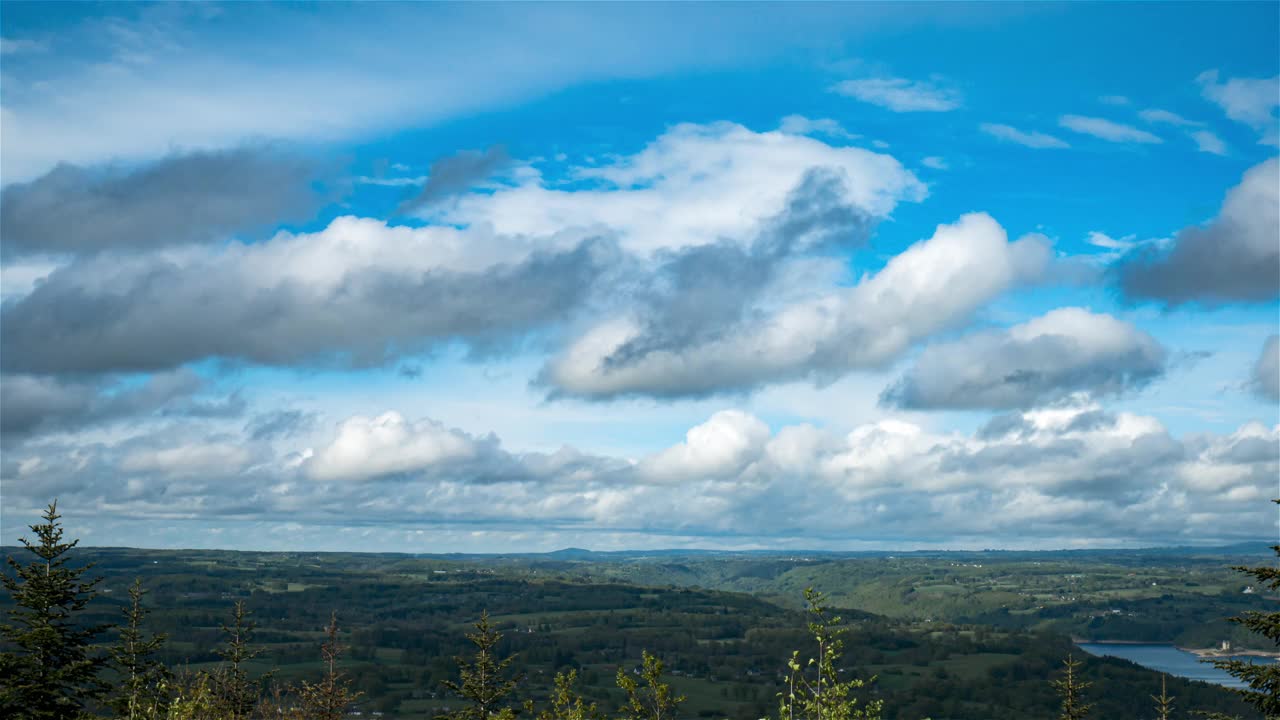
x=455, y=174
x=1266, y=371
x=700, y=294
x=1234, y=258
x=186, y=198
x=704, y=292
x=32, y=404
x=1065, y=352
x=103, y=315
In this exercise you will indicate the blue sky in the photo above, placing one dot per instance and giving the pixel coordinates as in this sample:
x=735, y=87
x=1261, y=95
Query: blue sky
x=487, y=277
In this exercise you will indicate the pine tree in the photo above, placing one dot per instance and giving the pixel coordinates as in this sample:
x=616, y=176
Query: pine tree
x=328, y=699
x=236, y=693
x=52, y=673
x=1262, y=680
x=1070, y=688
x=814, y=690
x=1164, y=703
x=140, y=693
x=567, y=703
x=483, y=679
x=649, y=698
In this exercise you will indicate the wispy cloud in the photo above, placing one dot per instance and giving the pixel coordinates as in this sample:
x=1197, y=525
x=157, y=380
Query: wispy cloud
x=1107, y=130
x=1209, y=143
x=1014, y=135
x=901, y=95
x=801, y=125
x=1165, y=117
x=1252, y=101
x=14, y=46
x=1103, y=240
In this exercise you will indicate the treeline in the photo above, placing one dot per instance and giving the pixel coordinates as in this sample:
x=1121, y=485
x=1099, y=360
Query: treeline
x=50, y=667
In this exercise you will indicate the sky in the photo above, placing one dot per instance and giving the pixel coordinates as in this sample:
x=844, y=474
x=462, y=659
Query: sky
x=519, y=277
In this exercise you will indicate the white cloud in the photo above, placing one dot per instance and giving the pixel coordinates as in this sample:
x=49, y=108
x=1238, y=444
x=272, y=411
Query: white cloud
x=371, y=447
x=1209, y=143
x=339, y=293
x=901, y=94
x=1058, y=355
x=137, y=85
x=1107, y=130
x=933, y=285
x=1103, y=240
x=1029, y=139
x=1252, y=101
x=721, y=446
x=693, y=185
x=801, y=125
x=193, y=460
x=1113, y=100
x=935, y=162
x=1048, y=478
x=1165, y=117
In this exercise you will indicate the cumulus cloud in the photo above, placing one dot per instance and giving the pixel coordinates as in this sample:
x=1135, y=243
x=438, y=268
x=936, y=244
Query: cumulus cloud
x=1252, y=101
x=693, y=208
x=350, y=295
x=1266, y=371
x=388, y=444
x=184, y=198
x=1049, y=358
x=1020, y=137
x=1035, y=479
x=900, y=94
x=1107, y=130
x=1233, y=258
x=935, y=284
x=456, y=173
x=720, y=447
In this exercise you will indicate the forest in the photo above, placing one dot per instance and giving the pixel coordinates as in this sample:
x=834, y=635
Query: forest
x=220, y=634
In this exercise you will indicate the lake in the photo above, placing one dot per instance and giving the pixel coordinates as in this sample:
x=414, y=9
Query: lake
x=1168, y=659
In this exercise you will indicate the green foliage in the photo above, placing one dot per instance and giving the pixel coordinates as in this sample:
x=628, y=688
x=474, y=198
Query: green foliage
x=648, y=698
x=235, y=692
x=403, y=611
x=140, y=693
x=567, y=703
x=1070, y=690
x=814, y=689
x=483, y=679
x=329, y=698
x=1262, y=680
x=1164, y=703
x=192, y=697
x=51, y=673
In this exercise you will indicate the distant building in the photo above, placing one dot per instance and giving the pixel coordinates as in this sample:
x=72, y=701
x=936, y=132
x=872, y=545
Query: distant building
x=1226, y=646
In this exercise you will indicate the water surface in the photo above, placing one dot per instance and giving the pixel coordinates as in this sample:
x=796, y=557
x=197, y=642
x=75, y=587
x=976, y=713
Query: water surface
x=1168, y=659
